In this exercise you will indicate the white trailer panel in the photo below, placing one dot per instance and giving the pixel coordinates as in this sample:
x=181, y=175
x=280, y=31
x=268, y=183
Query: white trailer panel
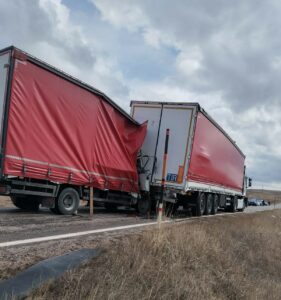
x=180, y=120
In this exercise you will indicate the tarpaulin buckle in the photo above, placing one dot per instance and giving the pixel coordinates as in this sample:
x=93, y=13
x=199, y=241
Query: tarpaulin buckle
x=49, y=172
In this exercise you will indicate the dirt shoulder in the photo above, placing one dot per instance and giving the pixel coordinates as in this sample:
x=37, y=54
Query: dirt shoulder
x=5, y=202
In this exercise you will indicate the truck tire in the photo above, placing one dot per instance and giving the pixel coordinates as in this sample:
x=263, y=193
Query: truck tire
x=200, y=204
x=30, y=203
x=215, y=204
x=110, y=206
x=54, y=210
x=209, y=204
x=233, y=206
x=144, y=205
x=170, y=209
x=68, y=201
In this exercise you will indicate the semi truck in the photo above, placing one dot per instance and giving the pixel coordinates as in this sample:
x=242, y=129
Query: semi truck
x=205, y=167
x=60, y=136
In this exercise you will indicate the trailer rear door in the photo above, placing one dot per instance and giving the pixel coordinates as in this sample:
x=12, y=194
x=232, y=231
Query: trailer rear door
x=152, y=114
x=179, y=119
x=4, y=67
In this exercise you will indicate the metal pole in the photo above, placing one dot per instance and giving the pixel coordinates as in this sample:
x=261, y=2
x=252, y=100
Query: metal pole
x=165, y=157
x=91, y=202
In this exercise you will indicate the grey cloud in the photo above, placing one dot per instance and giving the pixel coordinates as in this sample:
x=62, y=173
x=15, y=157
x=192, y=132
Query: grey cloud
x=238, y=45
x=27, y=25
x=238, y=41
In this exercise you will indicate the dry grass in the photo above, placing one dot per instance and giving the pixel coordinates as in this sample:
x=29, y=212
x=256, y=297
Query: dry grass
x=223, y=258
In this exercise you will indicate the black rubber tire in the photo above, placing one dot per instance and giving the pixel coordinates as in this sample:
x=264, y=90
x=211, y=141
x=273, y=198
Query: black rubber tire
x=233, y=206
x=170, y=209
x=194, y=211
x=26, y=203
x=209, y=203
x=54, y=210
x=200, y=204
x=110, y=206
x=215, y=204
x=68, y=201
x=144, y=205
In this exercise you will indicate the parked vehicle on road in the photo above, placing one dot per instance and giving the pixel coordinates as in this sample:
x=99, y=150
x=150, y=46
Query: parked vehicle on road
x=253, y=202
x=205, y=167
x=258, y=202
x=60, y=136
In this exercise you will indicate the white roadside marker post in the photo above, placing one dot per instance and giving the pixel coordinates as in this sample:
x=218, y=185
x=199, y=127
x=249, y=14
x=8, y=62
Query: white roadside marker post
x=165, y=157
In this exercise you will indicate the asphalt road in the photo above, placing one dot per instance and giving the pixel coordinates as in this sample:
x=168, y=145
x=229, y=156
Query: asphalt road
x=19, y=225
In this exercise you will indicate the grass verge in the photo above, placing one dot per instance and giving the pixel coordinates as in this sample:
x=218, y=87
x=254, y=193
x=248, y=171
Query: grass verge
x=234, y=257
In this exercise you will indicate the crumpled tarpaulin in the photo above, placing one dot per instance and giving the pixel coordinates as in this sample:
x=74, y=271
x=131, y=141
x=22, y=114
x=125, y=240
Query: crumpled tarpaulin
x=61, y=132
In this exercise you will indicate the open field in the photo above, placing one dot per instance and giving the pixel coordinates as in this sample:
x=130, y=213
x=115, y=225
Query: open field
x=268, y=195
x=234, y=257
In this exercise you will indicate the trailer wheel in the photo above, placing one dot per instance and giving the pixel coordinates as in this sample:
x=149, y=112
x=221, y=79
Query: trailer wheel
x=54, y=210
x=209, y=204
x=170, y=209
x=68, y=201
x=144, y=205
x=215, y=204
x=21, y=202
x=233, y=206
x=110, y=206
x=200, y=204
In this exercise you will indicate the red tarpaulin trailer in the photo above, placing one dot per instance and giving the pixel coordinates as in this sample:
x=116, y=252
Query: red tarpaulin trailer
x=215, y=160
x=205, y=167
x=61, y=130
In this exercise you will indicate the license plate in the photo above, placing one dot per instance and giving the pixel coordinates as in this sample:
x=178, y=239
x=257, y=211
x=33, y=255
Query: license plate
x=172, y=177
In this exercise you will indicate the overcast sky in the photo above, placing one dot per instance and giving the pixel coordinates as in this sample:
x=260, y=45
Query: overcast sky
x=226, y=55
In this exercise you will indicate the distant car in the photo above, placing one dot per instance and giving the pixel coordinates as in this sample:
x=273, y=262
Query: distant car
x=265, y=203
x=253, y=202
x=258, y=202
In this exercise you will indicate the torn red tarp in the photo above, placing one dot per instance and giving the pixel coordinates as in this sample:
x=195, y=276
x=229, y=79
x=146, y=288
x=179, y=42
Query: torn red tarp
x=62, y=132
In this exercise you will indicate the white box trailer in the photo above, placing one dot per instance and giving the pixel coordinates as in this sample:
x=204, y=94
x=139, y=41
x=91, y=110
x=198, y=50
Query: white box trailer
x=204, y=163
x=180, y=120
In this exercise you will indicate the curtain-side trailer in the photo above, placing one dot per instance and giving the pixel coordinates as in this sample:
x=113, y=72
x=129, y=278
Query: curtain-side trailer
x=59, y=136
x=205, y=167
